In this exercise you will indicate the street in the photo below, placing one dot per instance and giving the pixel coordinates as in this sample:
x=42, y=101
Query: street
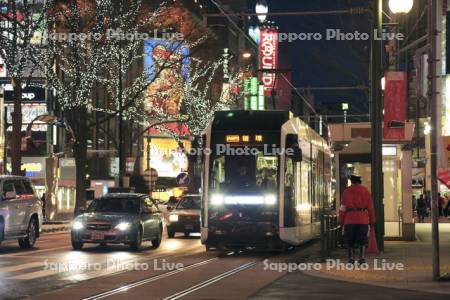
x=179, y=267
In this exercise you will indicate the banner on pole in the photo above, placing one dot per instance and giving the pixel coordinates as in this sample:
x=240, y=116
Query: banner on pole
x=395, y=106
x=268, y=57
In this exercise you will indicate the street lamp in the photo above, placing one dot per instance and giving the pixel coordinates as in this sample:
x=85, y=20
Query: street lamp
x=246, y=54
x=261, y=7
x=345, y=108
x=401, y=6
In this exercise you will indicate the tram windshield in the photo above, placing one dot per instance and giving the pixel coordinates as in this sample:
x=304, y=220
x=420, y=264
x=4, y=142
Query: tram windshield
x=237, y=174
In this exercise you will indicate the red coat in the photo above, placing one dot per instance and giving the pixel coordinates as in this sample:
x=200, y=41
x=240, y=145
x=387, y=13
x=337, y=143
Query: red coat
x=356, y=196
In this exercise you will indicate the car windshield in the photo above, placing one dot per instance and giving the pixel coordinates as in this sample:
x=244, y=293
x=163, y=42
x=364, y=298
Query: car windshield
x=117, y=205
x=189, y=202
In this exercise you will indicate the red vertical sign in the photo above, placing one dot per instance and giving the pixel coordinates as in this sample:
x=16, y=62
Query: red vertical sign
x=395, y=105
x=268, y=57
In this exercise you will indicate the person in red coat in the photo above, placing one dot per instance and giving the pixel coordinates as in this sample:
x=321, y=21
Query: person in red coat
x=355, y=215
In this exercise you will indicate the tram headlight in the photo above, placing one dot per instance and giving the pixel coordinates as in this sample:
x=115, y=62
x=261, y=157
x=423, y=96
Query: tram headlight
x=217, y=199
x=270, y=199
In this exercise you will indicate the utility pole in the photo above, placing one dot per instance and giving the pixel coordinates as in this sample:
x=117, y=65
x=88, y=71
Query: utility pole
x=435, y=129
x=376, y=73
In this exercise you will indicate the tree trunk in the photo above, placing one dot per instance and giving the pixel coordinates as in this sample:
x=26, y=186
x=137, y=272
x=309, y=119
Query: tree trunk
x=77, y=119
x=16, y=138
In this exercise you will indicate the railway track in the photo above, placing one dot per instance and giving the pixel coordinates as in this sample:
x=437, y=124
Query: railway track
x=187, y=271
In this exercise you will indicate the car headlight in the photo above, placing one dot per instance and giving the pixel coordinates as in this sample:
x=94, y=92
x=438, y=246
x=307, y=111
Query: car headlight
x=173, y=218
x=217, y=199
x=123, y=226
x=270, y=199
x=77, y=225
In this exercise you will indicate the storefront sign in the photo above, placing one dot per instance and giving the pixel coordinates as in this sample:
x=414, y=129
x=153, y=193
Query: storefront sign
x=29, y=112
x=166, y=156
x=268, y=57
x=2, y=68
x=29, y=93
x=32, y=166
x=395, y=106
x=166, y=89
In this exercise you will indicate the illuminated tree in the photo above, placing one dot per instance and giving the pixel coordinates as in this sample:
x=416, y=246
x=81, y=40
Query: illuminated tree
x=90, y=49
x=21, y=24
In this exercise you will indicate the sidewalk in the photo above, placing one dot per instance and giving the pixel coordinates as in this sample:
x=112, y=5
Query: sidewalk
x=53, y=227
x=415, y=257
x=413, y=282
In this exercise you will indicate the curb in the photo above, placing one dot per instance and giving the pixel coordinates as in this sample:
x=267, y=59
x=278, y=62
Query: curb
x=56, y=229
x=378, y=284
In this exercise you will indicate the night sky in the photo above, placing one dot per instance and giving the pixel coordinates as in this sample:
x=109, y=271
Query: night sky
x=326, y=63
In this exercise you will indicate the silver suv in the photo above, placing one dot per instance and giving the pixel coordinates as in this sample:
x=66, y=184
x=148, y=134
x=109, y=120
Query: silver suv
x=20, y=211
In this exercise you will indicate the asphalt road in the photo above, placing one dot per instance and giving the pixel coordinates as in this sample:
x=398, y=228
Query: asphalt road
x=179, y=268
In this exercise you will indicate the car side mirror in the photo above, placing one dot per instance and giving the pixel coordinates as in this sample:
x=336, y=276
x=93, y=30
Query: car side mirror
x=10, y=195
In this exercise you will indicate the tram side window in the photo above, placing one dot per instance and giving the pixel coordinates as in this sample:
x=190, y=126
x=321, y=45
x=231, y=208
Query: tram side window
x=305, y=181
x=218, y=173
x=289, y=193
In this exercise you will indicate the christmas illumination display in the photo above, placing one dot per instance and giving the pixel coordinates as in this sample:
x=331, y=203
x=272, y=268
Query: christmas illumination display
x=97, y=45
x=20, y=22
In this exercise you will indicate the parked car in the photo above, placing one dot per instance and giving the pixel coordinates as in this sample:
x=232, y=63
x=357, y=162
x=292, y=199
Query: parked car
x=185, y=217
x=119, y=218
x=20, y=211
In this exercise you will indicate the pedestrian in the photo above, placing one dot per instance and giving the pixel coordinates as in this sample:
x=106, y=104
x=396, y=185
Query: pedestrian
x=355, y=215
x=421, y=208
x=441, y=205
x=43, y=206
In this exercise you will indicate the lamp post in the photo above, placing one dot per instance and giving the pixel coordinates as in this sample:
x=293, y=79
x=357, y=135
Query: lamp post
x=375, y=96
x=397, y=7
x=345, y=108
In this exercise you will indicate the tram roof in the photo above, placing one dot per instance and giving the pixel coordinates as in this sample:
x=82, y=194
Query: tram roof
x=250, y=120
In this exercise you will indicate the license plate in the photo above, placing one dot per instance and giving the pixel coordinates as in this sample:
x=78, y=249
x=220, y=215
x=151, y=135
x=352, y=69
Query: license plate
x=189, y=226
x=97, y=235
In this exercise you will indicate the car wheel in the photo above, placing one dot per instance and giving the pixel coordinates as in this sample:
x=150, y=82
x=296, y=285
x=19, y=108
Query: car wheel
x=170, y=234
x=29, y=241
x=157, y=242
x=136, y=244
x=77, y=245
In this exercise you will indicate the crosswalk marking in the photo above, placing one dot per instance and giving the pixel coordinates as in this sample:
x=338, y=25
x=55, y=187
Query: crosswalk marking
x=31, y=252
x=34, y=275
x=20, y=267
x=36, y=270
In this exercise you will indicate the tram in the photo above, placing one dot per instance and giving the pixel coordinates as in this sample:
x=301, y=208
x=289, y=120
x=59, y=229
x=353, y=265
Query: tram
x=266, y=177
